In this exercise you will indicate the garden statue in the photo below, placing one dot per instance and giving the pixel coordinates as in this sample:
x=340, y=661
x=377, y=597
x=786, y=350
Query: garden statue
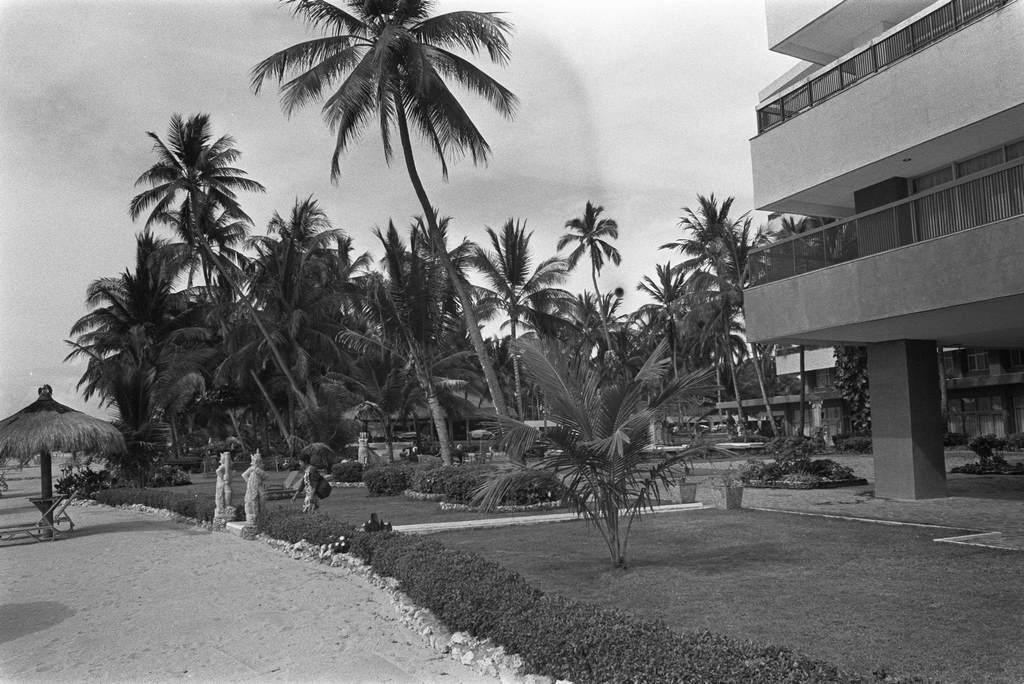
x=364, y=448
x=222, y=495
x=255, y=494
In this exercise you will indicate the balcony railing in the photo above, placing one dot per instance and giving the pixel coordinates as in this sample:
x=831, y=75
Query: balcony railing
x=985, y=197
x=928, y=29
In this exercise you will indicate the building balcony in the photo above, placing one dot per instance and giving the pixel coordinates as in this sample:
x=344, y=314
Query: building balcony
x=941, y=265
x=890, y=48
x=943, y=86
x=986, y=197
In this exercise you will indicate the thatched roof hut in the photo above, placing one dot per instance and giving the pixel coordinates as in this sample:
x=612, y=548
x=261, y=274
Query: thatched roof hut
x=45, y=426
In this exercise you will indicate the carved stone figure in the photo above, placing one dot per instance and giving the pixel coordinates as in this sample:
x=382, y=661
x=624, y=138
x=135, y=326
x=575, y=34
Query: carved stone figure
x=222, y=493
x=255, y=493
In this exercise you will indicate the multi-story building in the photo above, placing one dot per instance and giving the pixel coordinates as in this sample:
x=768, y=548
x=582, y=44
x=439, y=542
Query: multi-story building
x=904, y=123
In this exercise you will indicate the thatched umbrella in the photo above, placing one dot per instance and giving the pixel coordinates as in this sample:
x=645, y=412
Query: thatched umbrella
x=44, y=426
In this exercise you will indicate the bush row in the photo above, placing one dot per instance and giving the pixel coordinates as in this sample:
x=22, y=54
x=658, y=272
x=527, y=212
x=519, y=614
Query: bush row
x=555, y=636
x=459, y=483
x=190, y=505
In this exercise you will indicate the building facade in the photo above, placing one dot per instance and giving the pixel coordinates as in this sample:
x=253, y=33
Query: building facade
x=904, y=125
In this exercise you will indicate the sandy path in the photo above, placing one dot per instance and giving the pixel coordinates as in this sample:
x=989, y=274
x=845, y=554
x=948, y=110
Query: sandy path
x=134, y=597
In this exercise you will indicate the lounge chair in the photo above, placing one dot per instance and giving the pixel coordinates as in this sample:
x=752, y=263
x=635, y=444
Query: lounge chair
x=43, y=530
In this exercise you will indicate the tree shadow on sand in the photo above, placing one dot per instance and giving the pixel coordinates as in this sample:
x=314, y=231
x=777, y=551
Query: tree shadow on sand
x=20, y=619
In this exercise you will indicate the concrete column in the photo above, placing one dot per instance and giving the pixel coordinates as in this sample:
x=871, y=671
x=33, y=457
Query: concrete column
x=906, y=423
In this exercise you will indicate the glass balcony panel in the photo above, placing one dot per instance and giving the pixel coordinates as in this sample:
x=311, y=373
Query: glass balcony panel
x=810, y=252
x=841, y=243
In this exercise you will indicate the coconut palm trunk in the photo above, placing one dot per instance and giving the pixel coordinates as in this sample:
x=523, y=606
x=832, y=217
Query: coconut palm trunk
x=472, y=324
x=740, y=418
x=515, y=367
x=759, y=371
x=604, y=321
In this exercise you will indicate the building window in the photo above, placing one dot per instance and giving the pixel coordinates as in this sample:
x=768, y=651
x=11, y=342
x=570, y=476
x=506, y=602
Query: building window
x=1016, y=358
x=977, y=362
x=930, y=180
x=1015, y=150
x=949, y=364
x=979, y=163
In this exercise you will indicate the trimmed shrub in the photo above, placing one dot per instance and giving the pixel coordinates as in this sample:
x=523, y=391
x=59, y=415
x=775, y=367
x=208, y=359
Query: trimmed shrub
x=189, y=505
x=291, y=526
x=858, y=444
x=461, y=482
x=347, y=471
x=428, y=479
x=388, y=480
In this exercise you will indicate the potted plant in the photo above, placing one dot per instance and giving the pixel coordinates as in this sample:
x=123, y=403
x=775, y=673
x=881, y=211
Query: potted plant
x=728, y=490
x=687, y=490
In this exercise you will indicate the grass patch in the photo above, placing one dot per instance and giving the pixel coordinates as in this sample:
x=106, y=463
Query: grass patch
x=866, y=597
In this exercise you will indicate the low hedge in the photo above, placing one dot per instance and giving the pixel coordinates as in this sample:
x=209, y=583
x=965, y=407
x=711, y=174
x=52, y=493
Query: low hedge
x=390, y=479
x=347, y=471
x=555, y=636
x=190, y=505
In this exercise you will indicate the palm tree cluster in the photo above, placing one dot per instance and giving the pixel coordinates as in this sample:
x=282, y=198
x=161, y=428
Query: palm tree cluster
x=271, y=337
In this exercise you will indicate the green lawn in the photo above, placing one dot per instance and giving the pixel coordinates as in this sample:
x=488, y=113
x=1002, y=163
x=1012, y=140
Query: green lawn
x=863, y=596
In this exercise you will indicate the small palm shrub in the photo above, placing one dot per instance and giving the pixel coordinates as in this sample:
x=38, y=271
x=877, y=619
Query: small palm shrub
x=347, y=471
x=390, y=479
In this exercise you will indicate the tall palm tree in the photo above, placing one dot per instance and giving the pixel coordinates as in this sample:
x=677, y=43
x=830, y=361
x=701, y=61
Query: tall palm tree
x=667, y=290
x=293, y=286
x=393, y=60
x=591, y=235
x=528, y=296
x=717, y=249
x=193, y=188
x=412, y=315
x=129, y=342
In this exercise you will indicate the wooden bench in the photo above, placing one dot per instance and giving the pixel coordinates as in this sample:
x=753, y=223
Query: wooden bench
x=43, y=529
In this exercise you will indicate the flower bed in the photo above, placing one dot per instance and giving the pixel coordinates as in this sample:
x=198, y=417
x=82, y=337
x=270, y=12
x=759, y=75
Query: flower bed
x=799, y=472
x=505, y=508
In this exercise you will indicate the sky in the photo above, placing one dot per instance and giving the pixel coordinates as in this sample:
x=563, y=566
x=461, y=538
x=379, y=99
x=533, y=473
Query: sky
x=636, y=107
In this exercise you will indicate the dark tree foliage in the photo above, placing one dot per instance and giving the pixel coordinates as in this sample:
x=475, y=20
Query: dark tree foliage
x=852, y=383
